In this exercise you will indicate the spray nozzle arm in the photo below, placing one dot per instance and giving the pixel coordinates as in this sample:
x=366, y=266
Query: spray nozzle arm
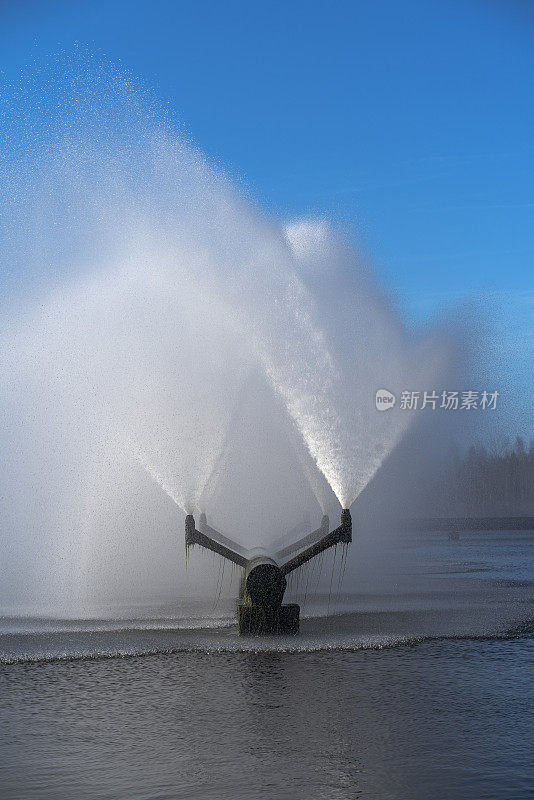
x=309, y=539
x=218, y=537
x=342, y=534
x=194, y=536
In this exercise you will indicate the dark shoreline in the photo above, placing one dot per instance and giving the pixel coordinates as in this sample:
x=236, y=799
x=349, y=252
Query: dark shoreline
x=457, y=524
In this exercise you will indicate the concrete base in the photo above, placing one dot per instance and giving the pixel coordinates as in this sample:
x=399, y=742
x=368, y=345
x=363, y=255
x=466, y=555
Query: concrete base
x=256, y=620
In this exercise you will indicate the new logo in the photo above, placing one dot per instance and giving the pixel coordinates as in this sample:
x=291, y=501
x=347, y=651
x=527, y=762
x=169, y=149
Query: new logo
x=384, y=400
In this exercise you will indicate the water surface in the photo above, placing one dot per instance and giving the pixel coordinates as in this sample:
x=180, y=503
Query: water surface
x=425, y=692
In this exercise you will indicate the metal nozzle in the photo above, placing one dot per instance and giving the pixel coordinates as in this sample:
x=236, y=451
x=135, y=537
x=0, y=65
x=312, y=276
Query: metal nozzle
x=346, y=525
x=189, y=531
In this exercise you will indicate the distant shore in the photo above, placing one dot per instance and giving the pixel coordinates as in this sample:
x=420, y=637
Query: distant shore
x=456, y=524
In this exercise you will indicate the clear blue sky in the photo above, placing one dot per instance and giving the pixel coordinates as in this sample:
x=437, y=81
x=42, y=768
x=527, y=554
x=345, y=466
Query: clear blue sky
x=413, y=120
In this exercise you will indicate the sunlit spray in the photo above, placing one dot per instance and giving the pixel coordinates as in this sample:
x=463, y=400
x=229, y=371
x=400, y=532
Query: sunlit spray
x=147, y=290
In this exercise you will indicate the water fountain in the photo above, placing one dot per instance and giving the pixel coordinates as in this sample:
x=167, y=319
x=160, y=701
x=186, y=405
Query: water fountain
x=154, y=295
x=260, y=610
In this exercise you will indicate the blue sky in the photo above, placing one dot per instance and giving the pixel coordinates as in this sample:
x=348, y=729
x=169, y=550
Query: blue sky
x=412, y=121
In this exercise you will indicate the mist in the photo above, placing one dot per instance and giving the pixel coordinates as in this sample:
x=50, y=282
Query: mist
x=168, y=347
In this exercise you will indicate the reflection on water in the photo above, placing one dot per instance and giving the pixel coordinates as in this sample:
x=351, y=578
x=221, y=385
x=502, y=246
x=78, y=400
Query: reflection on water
x=441, y=720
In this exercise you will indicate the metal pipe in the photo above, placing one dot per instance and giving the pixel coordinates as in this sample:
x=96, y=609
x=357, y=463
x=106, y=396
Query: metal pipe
x=218, y=537
x=310, y=538
x=341, y=534
x=193, y=536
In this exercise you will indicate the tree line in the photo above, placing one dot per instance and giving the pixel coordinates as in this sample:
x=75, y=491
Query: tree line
x=493, y=480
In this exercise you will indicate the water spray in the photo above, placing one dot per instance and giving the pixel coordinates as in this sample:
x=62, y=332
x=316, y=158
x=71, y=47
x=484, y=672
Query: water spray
x=160, y=293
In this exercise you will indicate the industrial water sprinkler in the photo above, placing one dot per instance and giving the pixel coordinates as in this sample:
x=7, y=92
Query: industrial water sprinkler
x=260, y=610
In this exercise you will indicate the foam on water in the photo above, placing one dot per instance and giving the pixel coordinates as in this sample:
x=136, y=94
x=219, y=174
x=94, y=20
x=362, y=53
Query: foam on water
x=43, y=652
